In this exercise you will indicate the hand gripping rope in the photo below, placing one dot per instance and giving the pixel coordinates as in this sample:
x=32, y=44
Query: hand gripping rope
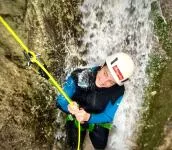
x=33, y=59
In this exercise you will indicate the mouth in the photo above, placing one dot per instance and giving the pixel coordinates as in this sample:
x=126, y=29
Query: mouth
x=99, y=83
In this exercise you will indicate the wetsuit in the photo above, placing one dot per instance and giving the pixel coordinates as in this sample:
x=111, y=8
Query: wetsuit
x=101, y=103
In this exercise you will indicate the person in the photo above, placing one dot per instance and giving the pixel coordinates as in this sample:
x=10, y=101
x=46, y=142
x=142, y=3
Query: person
x=96, y=93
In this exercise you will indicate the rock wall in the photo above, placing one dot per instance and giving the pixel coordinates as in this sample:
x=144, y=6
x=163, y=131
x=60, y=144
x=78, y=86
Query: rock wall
x=27, y=119
x=166, y=143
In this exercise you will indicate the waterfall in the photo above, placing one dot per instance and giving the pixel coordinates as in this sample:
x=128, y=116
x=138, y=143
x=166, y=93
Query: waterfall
x=120, y=26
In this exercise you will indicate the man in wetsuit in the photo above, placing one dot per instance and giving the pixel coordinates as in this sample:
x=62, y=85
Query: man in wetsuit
x=96, y=94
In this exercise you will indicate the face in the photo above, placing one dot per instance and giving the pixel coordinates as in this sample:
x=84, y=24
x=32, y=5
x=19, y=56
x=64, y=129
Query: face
x=104, y=78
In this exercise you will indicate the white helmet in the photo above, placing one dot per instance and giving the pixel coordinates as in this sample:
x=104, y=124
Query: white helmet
x=121, y=67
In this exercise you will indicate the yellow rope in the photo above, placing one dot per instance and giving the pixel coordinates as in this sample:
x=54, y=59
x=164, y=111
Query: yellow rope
x=79, y=135
x=34, y=60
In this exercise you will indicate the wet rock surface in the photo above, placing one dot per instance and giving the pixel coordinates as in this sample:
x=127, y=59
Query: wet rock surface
x=27, y=118
x=166, y=143
x=156, y=133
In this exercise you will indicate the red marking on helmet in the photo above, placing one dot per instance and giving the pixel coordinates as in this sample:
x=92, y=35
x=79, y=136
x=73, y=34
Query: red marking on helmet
x=118, y=72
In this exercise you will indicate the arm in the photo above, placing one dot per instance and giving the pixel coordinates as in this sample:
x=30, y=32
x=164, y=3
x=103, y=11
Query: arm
x=69, y=88
x=107, y=115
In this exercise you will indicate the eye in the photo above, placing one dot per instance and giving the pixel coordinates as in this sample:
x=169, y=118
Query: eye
x=112, y=83
x=105, y=74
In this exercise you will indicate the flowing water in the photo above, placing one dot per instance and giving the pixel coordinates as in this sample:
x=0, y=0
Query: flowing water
x=120, y=26
x=109, y=26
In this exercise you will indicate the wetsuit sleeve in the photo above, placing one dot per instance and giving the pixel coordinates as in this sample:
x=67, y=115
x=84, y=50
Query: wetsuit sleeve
x=69, y=88
x=107, y=115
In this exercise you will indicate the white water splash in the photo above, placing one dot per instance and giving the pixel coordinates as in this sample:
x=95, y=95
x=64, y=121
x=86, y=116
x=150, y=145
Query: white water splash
x=120, y=25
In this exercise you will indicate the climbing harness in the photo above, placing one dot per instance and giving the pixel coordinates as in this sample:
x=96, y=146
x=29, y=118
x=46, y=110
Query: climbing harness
x=31, y=56
x=90, y=126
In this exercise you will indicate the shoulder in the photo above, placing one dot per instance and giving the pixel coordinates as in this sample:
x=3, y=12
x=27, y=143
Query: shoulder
x=117, y=91
x=84, y=69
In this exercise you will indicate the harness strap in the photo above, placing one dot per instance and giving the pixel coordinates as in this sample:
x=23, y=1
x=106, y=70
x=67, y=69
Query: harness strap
x=91, y=126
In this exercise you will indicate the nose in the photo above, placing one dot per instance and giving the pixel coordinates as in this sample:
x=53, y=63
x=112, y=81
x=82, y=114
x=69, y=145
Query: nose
x=104, y=79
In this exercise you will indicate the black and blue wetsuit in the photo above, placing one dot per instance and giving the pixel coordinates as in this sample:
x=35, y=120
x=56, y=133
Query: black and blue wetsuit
x=101, y=103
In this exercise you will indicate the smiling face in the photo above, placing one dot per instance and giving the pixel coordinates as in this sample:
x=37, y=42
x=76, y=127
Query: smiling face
x=104, y=78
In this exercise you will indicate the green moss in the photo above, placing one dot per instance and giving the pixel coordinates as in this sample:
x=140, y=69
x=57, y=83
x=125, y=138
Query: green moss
x=162, y=31
x=153, y=116
x=157, y=107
